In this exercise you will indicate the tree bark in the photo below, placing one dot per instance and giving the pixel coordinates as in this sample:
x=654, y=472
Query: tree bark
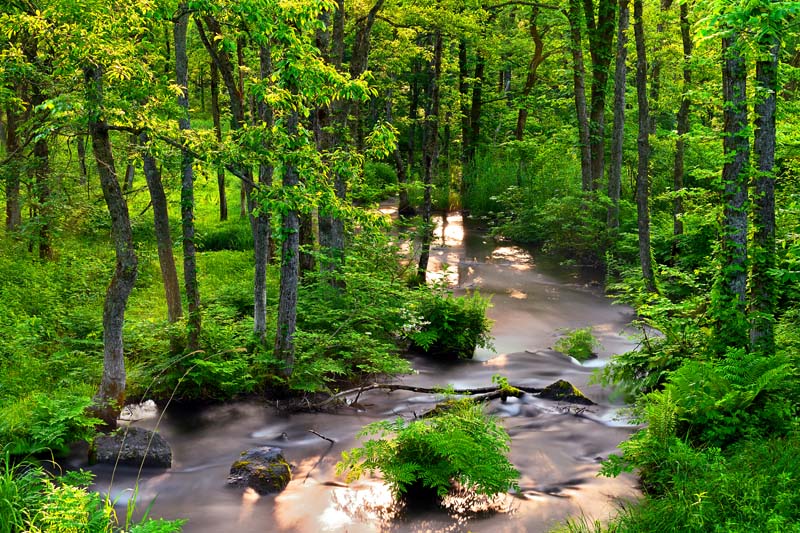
x=13, y=149
x=683, y=125
x=762, y=284
x=655, y=70
x=215, y=117
x=731, y=285
x=643, y=145
x=476, y=107
x=187, y=185
x=579, y=86
x=533, y=69
x=618, y=132
x=261, y=239
x=430, y=153
x=110, y=397
x=601, y=38
x=290, y=267
x=166, y=259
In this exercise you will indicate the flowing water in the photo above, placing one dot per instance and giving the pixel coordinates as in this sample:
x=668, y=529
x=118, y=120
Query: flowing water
x=556, y=447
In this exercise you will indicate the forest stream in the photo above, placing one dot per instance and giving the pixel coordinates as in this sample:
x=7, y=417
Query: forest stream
x=556, y=447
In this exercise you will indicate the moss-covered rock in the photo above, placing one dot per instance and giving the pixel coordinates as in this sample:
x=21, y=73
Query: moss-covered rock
x=263, y=469
x=564, y=391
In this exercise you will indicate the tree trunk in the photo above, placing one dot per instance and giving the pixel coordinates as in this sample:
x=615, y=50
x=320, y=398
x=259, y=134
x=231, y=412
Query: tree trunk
x=601, y=38
x=215, y=117
x=13, y=149
x=731, y=285
x=110, y=397
x=655, y=71
x=762, y=284
x=166, y=259
x=533, y=68
x=261, y=239
x=683, y=125
x=476, y=107
x=187, y=184
x=41, y=171
x=618, y=133
x=430, y=154
x=579, y=85
x=643, y=146
x=81, y=145
x=463, y=91
x=290, y=267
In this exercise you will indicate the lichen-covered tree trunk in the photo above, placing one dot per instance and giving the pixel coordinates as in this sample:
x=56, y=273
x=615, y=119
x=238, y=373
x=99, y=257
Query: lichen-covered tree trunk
x=762, y=284
x=166, y=259
x=618, y=131
x=187, y=184
x=643, y=147
x=290, y=265
x=430, y=153
x=533, y=69
x=111, y=395
x=730, y=288
x=579, y=89
x=683, y=124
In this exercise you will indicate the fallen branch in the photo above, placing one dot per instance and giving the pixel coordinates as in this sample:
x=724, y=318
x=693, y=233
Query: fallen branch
x=479, y=393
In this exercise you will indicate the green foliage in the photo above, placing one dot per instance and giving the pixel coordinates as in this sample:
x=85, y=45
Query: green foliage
x=35, y=501
x=379, y=182
x=234, y=235
x=579, y=343
x=460, y=444
x=445, y=325
x=755, y=486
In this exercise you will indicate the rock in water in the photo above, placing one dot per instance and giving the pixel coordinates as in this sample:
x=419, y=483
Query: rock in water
x=133, y=445
x=564, y=391
x=262, y=469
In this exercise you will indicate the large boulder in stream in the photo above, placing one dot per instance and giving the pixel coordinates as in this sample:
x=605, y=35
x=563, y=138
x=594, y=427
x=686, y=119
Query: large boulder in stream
x=262, y=469
x=564, y=391
x=131, y=446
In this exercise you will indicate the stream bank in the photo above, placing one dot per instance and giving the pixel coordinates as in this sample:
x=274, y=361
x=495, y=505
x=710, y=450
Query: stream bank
x=556, y=447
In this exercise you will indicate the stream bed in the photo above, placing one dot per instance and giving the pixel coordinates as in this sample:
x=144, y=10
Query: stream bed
x=556, y=447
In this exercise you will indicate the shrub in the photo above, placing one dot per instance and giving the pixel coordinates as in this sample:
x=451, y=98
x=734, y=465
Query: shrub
x=446, y=325
x=461, y=444
x=578, y=343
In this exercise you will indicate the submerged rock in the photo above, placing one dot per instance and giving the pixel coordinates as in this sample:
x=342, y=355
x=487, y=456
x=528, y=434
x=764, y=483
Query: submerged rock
x=133, y=445
x=262, y=469
x=564, y=391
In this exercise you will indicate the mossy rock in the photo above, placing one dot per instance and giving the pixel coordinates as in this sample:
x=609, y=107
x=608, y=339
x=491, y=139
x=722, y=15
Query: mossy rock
x=564, y=391
x=263, y=469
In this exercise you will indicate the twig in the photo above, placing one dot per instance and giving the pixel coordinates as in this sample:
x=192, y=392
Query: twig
x=322, y=436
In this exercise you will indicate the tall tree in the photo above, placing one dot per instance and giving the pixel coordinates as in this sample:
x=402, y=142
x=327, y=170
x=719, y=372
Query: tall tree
x=683, y=122
x=618, y=133
x=111, y=395
x=579, y=91
x=430, y=153
x=192, y=289
x=762, y=283
x=643, y=148
x=215, y=117
x=12, y=181
x=730, y=287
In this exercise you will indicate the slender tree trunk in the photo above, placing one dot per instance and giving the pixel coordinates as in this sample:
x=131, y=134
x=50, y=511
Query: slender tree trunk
x=762, y=284
x=404, y=208
x=41, y=153
x=533, y=69
x=430, y=154
x=81, y=145
x=187, y=184
x=729, y=305
x=463, y=91
x=655, y=80
x=683, y=125
x=13, y=149
x=290, y=266
x=579, y=85
x=166, y=259
x=262, y=219
x=215, y=117
x=601, y=38
x=476, y=107
x=643, y=145
x=110, y=397
x=618, y=133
